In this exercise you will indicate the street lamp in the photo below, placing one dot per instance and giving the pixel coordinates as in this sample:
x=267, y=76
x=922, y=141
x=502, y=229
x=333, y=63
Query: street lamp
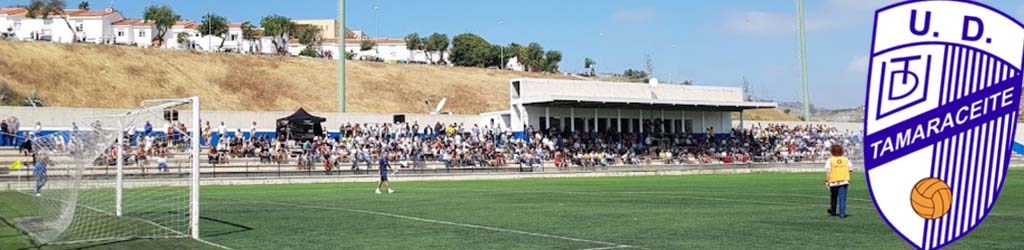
x=501, y=63
x=376, y=20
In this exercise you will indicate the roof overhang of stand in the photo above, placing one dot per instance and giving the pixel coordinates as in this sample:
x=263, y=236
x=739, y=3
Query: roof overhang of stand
x=639, y=103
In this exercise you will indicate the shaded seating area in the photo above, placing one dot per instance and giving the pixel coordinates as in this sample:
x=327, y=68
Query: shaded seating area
x=300, y=126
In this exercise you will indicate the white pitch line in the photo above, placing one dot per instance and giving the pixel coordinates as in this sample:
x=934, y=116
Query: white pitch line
x=648, y=194
x=606, y=248
x=144, y=221
x=214, y=244
x=595, y=192
x=617, y=245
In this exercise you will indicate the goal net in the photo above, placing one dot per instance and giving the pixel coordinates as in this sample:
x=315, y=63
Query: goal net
x=114, y=177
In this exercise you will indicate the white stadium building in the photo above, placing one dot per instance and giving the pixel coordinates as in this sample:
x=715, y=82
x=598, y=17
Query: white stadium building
x=571, y=105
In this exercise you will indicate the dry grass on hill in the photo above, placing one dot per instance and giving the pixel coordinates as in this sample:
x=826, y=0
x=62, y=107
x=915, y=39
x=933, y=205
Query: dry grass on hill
x=120, y=77
x=766, y=115
x=84, y=75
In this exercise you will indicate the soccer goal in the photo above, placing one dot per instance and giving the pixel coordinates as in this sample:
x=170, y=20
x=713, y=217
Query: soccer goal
x=112, y=177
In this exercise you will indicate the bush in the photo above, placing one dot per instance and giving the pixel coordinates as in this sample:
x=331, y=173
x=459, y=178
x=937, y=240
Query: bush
x=310, y=52
x=35, y=100
x=8, y=96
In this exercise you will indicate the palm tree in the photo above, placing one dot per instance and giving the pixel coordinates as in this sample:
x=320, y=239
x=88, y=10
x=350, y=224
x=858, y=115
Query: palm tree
x=46, y=8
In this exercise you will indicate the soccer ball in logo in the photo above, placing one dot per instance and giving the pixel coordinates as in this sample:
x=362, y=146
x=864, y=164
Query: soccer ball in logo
x=931, y=198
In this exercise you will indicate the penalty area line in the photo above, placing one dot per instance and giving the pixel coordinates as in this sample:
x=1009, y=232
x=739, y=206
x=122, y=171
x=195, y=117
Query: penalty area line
x=609, y=245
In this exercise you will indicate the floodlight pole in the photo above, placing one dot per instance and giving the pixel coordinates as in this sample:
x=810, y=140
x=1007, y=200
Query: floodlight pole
x=803, y=59
x=195, y=167
x=341, y=60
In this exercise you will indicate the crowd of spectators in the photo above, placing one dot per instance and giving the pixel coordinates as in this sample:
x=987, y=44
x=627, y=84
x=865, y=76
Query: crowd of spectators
x=458, y=145
x=358, y=146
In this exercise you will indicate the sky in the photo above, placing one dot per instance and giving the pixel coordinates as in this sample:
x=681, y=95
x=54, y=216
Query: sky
x=707, y=42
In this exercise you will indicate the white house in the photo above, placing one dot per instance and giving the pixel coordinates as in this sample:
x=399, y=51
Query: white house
x=514, y=65
x=135, y=32
x=89, y=26
x=391, y=50
x=187, y=27
x=233, y=40
x=327, y=47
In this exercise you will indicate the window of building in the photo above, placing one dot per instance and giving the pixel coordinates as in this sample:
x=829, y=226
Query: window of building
x=233, y=38
x=78, y=27
x=142, y=34
x=120, y=33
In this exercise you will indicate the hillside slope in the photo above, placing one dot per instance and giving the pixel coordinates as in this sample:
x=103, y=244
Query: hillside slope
x=94, y=76
x=120, y=77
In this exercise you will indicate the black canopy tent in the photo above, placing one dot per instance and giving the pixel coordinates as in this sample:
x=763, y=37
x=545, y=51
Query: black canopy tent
x=300, y=126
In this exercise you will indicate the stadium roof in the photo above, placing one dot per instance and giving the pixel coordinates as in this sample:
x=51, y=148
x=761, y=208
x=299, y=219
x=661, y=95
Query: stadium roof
x=598, y=94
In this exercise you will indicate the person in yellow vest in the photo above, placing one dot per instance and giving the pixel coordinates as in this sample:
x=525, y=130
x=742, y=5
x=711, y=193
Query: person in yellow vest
x=837, y=179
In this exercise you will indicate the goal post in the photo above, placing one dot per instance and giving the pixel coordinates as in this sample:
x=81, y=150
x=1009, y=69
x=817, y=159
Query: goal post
x=152, y=193
x=195, y=167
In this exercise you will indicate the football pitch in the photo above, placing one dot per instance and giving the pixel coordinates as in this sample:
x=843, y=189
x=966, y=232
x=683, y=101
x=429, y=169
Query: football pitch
x=748, y=211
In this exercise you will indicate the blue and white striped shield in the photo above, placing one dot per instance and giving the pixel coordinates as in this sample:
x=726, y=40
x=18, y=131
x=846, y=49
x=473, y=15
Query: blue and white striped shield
x=940, y=115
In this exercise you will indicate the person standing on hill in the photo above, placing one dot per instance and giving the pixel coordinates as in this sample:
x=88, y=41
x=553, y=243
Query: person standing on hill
x=837, y=179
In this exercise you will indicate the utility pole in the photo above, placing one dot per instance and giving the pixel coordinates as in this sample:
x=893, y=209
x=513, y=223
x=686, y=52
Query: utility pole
x=341, y=59
x=803, y=60
x=501, y=63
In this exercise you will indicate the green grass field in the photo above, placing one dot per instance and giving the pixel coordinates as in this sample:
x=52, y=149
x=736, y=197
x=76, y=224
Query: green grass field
x=754, y=211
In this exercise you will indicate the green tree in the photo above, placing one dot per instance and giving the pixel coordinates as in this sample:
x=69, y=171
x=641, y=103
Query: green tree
x=215, y=25
x=366, y=45
x=470, y=50
x=183, y=40
x=162, y=17
x=413, y=42
x=589, y=65
x=84, y=5
x=308, y=35
x=513, y=50
x=436, y=42
x=279, y=28
x=633, y=74
x=47, y=8
x=252, y=35
x=533, y=57
x=551, y=60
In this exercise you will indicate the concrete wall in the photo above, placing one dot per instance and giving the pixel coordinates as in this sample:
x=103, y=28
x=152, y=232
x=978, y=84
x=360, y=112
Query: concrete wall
x=53, y=118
